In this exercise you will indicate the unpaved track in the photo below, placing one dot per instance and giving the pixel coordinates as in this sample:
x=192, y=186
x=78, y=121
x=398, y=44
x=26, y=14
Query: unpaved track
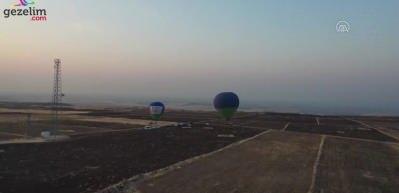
x=375, y=128
x=271, y=162
x=129, y=184
x=12, y=134
x=353, y=139
x=126, y=121
x=286, y=126
x=36, y=111
x=316, y=165
x=360, y=140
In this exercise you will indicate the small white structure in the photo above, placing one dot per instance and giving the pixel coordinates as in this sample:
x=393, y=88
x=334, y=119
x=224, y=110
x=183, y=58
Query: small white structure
x=46, y=134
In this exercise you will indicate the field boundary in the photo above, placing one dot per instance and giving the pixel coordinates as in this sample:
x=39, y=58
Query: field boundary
x=71, y=136
x=12, y=134
x=375, y=128
x=88, y=133
x=362, y=140
x=316, y=164
x=128, y=185
x=286, y=126
x=349, y=138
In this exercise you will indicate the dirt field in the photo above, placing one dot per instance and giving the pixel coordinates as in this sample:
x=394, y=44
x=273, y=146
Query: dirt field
x=89, y=163
x=274, y=121
x=125, y=121
x=340, y=127
x=349, y=166
x=39, y=111
x=272, y=162
x=14, y=121
x=170, y=115
x=342, y=121
x=8, y=136
x=261, y=123
x=389, y=126
x=66, y=126
x=110, y=145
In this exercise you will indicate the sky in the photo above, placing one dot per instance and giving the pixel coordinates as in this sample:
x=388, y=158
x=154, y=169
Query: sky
x=265, y=51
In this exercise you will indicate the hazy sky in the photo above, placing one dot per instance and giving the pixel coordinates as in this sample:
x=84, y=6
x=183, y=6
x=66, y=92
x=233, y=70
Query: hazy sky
x=277, y=50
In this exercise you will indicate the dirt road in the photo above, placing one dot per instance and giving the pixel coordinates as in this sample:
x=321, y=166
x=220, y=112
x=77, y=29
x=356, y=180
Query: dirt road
x=274, y=162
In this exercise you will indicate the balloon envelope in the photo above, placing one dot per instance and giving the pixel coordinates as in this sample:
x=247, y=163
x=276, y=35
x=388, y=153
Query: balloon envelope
x=156, y=110
x=226, y=103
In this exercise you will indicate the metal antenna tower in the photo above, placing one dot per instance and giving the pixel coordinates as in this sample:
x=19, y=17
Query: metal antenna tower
x=57, y=93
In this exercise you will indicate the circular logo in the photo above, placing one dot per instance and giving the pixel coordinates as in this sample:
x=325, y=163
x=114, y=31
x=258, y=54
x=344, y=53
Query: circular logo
x=342, y=27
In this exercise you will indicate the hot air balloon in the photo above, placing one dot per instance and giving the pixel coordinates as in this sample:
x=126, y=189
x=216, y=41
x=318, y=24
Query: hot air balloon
x=156, y=110
x=226, y=103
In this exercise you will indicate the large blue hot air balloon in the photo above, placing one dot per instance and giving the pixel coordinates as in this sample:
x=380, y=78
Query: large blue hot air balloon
x=156, y=110
x=226, y=103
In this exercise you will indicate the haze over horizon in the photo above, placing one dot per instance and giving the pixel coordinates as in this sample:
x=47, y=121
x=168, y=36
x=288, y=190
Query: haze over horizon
x=284, y=51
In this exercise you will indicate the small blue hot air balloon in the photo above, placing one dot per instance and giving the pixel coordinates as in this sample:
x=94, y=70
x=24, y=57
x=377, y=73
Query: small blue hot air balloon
x=156, y=110
x=226, y=103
